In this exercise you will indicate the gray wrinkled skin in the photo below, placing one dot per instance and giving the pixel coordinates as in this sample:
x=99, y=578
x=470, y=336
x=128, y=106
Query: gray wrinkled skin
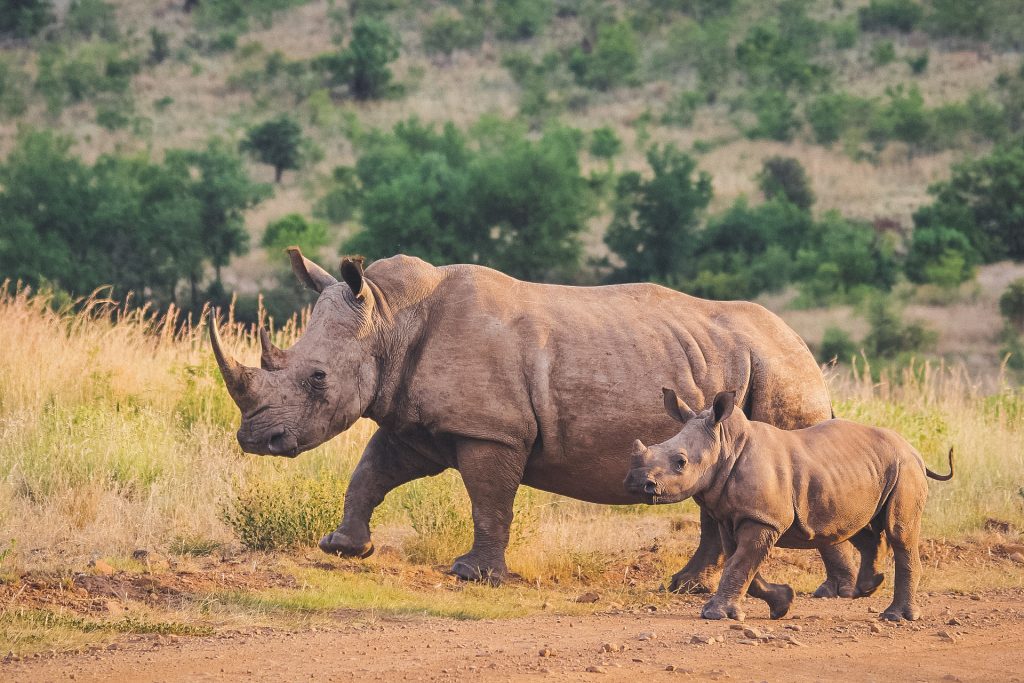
x=807, y=488
x=511, y=383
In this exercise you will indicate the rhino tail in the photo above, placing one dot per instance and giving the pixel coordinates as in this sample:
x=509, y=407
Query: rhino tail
x=942, y=477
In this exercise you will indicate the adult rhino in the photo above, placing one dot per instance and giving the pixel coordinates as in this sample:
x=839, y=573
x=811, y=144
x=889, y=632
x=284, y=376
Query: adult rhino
x=512, y=383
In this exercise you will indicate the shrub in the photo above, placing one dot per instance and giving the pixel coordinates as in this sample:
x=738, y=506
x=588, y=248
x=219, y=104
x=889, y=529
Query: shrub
x=655, y=220
x=342, y=197
x=363, y=66
x=776, y=116
x=942, y=256
x=521, y=19
x=448, y=32
x=295, y=230
x=681, y=109
x=287, y=512
x=276, y=142
x=613, y=60
x=778, y=54
x=160, y=48
x=889, y=336
x=918, y=63
x=882, y=15
x=1011, y=304
x=90, y=18
x=837, y=345
x=982, y=200
x=883, y=53
x=784, y=177
x=903, y=117
x=604, y=143
x=25, y=18
x=844, y=34
x=14, y=88
x=830, y=115
x=954, y=18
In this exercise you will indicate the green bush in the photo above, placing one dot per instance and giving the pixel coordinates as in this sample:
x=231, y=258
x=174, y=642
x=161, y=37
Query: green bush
x=883, y=15
x=276, y=142
x=159, y=49
x=779, y=54
x=90, y=18
x=776, y=116
x=903, y=117
x=832, y=114
x=362, y=67
x=837, y=345
x=889, y=336
x=604, y=143
x=25, y=18
x=613, y=60
x=1011, y=304
x=521, y=19
x=14, y=88
x=955, y=18
x=447, y=32
x=681, y=109
x=785, y=178
x=844, y=34
x=883, y=53
x=339, y=202
x=285, y=512
x=918, y=63
x=941, y=256
x=295, y=230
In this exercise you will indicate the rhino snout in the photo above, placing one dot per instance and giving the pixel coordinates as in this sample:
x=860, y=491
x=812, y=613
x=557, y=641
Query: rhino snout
x=643, y=483
x=276, y=441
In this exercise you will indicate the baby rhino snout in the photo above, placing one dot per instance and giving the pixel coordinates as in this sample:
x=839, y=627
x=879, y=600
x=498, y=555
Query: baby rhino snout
x=641, y=482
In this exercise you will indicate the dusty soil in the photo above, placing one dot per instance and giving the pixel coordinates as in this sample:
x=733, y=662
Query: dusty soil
x=976, y=637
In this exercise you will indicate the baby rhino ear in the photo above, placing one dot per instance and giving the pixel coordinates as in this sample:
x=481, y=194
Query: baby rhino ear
x=723, y=404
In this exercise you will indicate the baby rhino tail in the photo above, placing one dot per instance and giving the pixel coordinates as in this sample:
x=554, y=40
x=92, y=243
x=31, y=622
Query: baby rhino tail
x=942, y=477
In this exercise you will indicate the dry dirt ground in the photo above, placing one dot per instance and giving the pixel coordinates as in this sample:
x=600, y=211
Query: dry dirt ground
x=975, y=637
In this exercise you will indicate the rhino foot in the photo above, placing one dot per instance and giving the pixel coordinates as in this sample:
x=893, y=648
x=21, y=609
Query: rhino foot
x=468, y=568
x=337, y=543
x=716, y=609
x=692, y=582
x=867, y=588
x=834, y=588
x=896, y=612
x=780, y=601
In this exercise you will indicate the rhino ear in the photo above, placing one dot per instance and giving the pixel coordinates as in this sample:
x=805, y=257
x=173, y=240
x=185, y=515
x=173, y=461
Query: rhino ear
x=723, y=404
x=309, y=273
x=352, y=274
x=675, y=407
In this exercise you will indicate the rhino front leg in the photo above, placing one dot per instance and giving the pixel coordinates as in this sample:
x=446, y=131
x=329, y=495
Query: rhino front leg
x=492, y=474
x=747, y=550
x=384, y=465
x=699, y=574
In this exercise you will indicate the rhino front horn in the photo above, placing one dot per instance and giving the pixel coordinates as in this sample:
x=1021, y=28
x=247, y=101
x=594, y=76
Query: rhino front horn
x=237, y=377
x=271, y=357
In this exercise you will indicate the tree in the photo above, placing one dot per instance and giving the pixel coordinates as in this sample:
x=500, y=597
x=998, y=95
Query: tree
x=613, y=60
x=276, y=142
x=655, y=220
x=784, y=178
x=983, y=201
x=224, y=191
x=363, y=66
x=604, y=143
x=25, y=18
x=940, y=255
x=295, y=230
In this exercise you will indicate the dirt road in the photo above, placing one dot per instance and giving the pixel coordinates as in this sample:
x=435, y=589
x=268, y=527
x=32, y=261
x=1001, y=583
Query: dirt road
x=961, y=638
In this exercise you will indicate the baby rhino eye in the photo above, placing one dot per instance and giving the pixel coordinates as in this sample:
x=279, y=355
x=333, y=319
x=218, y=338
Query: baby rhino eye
x=319, y=376
x=680, y=463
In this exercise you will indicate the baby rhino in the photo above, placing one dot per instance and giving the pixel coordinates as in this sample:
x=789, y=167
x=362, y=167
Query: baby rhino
x=806, y=488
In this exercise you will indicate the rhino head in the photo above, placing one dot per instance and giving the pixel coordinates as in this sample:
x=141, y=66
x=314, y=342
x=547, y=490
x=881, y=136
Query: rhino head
x=684, y=465
x=303, y=396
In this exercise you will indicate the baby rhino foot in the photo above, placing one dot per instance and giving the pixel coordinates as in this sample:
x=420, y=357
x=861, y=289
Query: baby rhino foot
x=896, y=612
x=716, y=609
x=834, y=588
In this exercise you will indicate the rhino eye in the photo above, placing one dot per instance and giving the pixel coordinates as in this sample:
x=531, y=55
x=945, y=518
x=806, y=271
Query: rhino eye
x=319, y=376
x=680, y=463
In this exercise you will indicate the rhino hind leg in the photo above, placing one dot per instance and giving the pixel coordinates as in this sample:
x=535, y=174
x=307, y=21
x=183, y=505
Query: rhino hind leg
x=779, y=596
x=903, y=529
x=701, y=572
x=492, y=492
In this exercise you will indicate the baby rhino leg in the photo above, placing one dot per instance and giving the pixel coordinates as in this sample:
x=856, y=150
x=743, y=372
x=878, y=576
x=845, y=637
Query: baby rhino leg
x=870, y=541
x=903, y=528
x=779, y=596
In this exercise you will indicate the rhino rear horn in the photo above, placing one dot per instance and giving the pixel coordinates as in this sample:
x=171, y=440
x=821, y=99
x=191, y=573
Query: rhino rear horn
x=271, y=357
x=309, y=273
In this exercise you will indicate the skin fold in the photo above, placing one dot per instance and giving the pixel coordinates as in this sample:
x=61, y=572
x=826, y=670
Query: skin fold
x=512, y=383
x=807, y=488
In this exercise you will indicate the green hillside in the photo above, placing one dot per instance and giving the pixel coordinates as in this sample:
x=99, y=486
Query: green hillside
x=731, y=148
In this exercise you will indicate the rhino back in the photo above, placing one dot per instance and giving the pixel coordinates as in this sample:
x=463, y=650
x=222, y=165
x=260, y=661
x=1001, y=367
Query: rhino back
x=574, y=374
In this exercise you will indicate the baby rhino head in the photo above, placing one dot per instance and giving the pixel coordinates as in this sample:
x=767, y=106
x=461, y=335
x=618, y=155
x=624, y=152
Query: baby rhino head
x=683, y=466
